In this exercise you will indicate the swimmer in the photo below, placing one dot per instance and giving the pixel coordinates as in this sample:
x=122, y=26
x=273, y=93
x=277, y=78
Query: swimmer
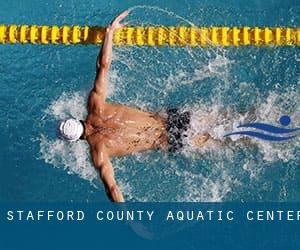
x=114, y=130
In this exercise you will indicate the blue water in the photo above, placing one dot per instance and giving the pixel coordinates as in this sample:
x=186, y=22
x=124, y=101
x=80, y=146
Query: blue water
x=42, y=84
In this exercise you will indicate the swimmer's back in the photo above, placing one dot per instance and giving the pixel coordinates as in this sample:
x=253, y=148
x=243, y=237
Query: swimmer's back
x=126, y=130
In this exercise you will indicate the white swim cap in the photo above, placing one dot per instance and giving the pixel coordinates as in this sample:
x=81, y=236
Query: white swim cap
x=70, y=130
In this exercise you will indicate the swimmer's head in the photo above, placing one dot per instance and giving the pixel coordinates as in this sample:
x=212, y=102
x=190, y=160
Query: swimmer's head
x=70, y=130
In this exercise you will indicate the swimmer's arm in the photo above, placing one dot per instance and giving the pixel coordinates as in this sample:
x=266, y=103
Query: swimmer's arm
x=105, y=56
x=103, y=164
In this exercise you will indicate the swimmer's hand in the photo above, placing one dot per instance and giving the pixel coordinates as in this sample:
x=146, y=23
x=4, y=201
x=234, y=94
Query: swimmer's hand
x=105, y=57
x=115, y=24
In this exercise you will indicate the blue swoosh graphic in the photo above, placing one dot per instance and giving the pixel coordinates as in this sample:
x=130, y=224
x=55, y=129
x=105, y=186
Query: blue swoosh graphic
x=269, y=128
x=261, y=136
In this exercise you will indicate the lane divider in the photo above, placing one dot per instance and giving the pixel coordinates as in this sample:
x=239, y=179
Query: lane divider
x=152, y=35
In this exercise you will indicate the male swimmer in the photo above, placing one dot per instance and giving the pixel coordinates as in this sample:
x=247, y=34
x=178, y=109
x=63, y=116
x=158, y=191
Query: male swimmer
x=117, y=130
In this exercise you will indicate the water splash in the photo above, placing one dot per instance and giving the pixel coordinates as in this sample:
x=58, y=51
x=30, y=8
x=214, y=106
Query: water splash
x=74, y=158
x=215, y=85
x=192, y=185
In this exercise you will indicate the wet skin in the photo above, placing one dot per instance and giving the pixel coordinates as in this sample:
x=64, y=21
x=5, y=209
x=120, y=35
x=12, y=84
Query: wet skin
x=118, y=130
x=123, y=130
x=112, y=129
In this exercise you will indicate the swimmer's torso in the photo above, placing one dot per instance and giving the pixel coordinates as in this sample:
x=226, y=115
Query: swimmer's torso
x=124, y=130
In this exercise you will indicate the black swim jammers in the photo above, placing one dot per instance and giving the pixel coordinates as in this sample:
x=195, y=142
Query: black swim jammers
x=177, y=124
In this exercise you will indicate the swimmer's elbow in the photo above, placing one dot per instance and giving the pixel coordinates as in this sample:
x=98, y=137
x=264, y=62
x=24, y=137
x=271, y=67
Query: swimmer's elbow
x=99, y=163
x=105, y=63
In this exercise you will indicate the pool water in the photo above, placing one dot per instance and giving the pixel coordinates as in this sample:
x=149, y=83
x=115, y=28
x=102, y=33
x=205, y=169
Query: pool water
x=43, y=84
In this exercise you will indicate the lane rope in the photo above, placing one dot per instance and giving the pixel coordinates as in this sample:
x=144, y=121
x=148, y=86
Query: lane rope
x=152, y=35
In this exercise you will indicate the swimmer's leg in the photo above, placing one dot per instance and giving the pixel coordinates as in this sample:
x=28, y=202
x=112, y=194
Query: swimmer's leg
x=200, y=140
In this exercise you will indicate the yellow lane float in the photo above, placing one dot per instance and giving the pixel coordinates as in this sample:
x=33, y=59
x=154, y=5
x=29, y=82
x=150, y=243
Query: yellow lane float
x=152, y=35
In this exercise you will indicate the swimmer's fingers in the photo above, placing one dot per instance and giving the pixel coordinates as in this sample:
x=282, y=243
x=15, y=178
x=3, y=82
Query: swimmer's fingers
x=122, y=16
x=122, y=25
x=115, y=24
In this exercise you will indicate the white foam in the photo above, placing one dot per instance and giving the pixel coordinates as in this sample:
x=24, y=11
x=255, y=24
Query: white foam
x=72, y=157
x=216, y=121
x=214, y=118
x=174, y=182
x=68, y=105
x=271, y=110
